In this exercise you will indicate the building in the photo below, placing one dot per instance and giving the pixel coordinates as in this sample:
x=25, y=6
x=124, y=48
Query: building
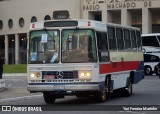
x=15, y=18
x=16, y=15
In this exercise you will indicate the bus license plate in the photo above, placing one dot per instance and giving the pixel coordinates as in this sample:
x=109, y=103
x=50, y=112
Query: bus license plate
x=49, y=77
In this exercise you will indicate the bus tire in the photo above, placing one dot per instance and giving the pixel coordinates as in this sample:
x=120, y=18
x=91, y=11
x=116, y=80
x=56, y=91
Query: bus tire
x=129, y=89
x=49, y=98
x=147, y=70
x=104, y=94
x=126, y=91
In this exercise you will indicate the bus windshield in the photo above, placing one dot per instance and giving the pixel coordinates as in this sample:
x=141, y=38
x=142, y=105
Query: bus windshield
x=44, y=46
x=78, y=46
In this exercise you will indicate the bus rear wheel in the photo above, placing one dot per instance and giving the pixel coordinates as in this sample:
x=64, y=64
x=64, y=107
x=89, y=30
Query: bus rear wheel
x=124, y=92
x=49, y=98
x=129, y=90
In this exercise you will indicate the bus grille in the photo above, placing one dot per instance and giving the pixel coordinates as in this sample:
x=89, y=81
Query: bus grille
x=60, y=74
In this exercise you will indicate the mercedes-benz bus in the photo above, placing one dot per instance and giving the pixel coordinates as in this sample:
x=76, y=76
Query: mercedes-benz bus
x=83, y=58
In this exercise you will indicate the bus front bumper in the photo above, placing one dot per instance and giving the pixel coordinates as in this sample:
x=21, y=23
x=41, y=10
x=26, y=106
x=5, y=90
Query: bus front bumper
x=76, y=87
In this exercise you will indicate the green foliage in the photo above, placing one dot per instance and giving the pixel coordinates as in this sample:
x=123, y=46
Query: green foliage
x=20, y=68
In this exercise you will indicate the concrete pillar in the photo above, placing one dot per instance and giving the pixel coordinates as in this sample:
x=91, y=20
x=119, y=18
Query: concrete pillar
x=146, y=21
x=16, y=49
x=104, y=16
x=6, y=49
x=126, y=17
x=109, y=17
x=104, y=13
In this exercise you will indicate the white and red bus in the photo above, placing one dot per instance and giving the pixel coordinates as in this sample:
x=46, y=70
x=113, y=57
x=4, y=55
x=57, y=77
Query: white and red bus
x=83, y=58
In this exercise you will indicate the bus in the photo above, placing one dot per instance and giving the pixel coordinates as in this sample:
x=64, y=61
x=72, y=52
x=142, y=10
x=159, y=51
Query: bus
x=151, y=49
x=84, y=58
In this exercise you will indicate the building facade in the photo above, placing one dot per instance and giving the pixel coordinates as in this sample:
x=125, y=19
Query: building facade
x=16, y=15
x=15, y=19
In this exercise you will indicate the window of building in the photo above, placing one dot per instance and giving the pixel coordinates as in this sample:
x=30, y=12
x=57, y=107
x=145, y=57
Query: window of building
x=2, y=43
x=33, y=19
x=21, y=22
x=95, y=15
x=47, y=17
x=127, y=39
x=10, y=23
x=119, y=36
x=112, y=38
x=1, y=24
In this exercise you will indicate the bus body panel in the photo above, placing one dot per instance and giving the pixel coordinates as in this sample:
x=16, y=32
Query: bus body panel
x=67, y=84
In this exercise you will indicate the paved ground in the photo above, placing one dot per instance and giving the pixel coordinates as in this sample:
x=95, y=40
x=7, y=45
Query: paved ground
x=146, y=92
x=10, y=76
x=15, y=88
x=2, y=84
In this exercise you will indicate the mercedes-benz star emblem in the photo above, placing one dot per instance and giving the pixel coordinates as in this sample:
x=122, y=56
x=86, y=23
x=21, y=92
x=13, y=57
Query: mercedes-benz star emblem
x=59, y=75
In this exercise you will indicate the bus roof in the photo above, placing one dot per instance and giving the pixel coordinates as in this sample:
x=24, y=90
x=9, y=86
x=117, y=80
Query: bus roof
x=123, y=26
x=68, y=23
x=98, y=25
x=151, y=34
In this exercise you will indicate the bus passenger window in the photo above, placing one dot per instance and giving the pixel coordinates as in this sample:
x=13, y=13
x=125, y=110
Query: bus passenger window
x=112, y=39
x=120, y=41
x=139, y=40
x=102, y=46
x=127, y=39
x=150, y=41
x=133, y=39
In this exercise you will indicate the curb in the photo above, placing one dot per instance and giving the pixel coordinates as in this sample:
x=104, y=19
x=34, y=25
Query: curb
x=19, y=98
x=15, y=74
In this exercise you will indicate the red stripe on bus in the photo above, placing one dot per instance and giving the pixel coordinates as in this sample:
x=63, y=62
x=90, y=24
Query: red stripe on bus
x=118, y=66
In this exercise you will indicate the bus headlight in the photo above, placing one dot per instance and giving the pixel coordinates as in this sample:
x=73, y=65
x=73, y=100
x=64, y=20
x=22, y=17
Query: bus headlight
x=35, y=75
x=84, y=74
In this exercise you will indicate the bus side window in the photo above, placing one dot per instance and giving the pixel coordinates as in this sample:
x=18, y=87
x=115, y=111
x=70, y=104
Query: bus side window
x=150, y=41
x=127, y=39
x=102, y=46
x=112, y=39
x=133, y=39
x=139, y=40
x=120, y=41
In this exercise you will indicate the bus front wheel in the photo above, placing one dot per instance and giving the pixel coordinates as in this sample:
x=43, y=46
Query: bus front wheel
x=104, y=94
x=49, y=98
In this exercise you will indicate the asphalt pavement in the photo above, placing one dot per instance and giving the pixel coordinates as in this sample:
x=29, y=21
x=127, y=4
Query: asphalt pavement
x=10, y=76
x=14, y=88
x=16, y=93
